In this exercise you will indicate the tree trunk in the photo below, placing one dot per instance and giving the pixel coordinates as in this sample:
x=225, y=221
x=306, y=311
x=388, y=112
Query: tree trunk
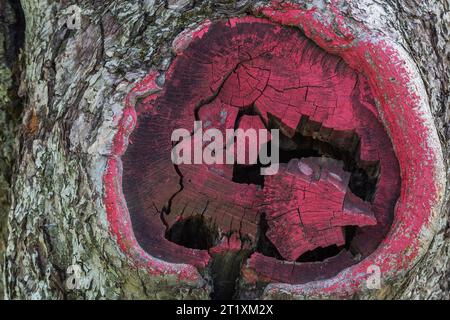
x=69, y=86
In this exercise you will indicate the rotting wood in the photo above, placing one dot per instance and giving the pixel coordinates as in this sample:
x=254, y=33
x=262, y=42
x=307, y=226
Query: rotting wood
x=251, y=73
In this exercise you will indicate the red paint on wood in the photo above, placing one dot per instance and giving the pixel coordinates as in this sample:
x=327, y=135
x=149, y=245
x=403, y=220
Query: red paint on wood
x=412, y=134
x=278, y=75
x=307, y=205
x=271, y=270
x=116, y=206
x=223, y=68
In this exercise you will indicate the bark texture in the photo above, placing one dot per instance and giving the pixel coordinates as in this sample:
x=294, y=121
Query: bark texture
x=73, y=85
x=11, y=39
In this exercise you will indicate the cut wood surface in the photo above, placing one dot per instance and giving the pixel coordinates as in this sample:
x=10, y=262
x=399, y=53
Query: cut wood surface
x=250, y=73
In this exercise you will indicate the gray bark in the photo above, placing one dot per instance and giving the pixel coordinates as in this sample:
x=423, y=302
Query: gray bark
x=73, y=85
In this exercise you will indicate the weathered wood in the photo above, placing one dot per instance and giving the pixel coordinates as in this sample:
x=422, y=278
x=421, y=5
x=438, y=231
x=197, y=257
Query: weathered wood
x=243, y=73
x=308, y=204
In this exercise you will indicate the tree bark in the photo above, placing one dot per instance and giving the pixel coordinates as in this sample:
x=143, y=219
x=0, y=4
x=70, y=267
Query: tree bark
x=11, y=40
x=72, y=84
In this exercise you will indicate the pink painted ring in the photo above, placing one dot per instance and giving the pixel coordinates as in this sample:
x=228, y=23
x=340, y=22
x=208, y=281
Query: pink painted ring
x=403, y=106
